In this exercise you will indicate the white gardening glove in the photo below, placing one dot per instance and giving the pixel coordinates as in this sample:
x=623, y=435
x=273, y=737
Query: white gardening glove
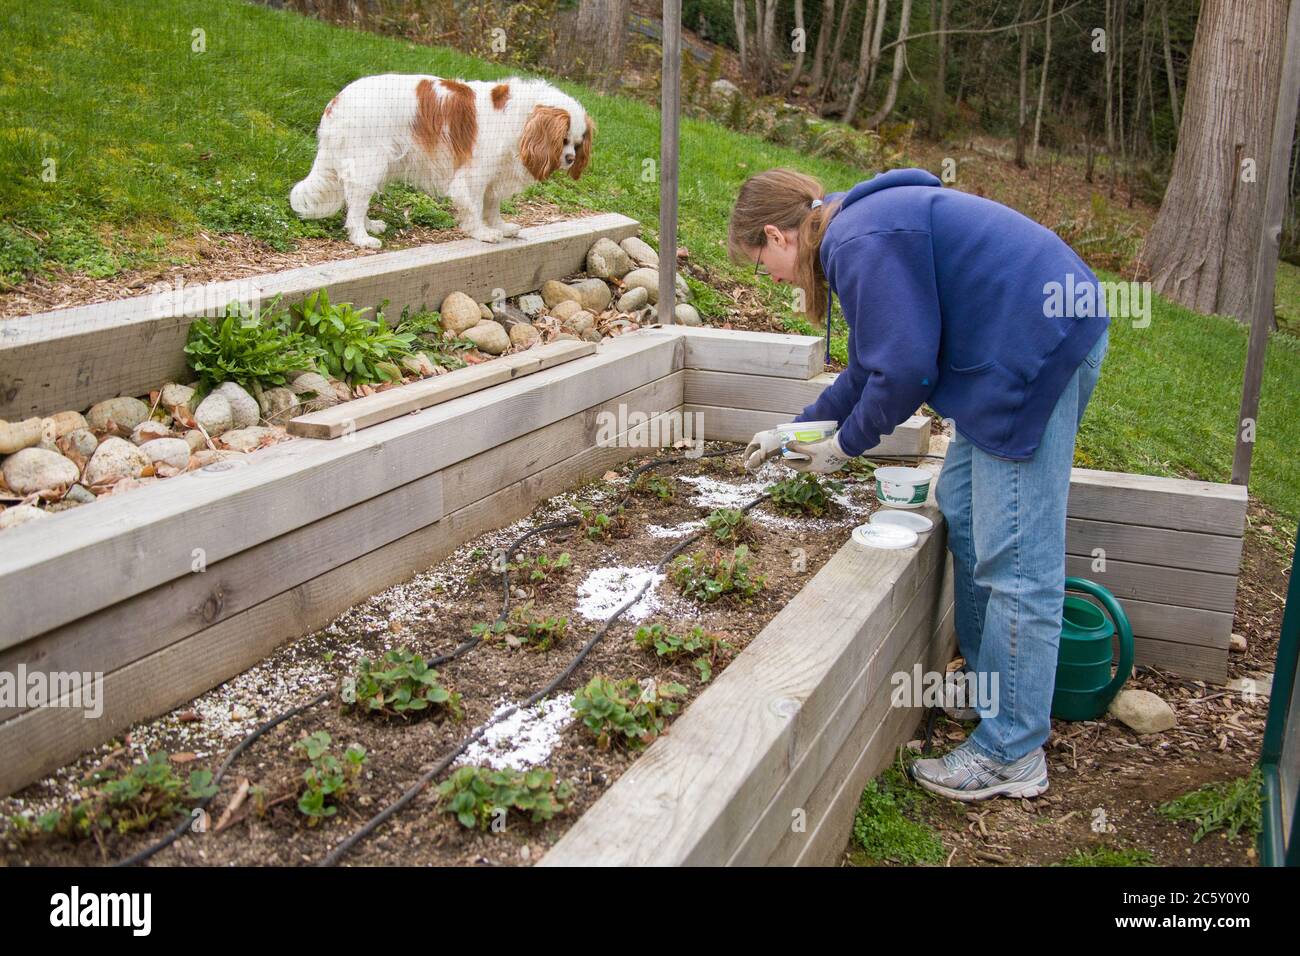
x=762, y=446
x=824, y=456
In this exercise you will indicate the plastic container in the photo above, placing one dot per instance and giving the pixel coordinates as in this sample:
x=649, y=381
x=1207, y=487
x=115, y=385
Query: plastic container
x=900, y=487
x=903, y=519
x=805, y=432
x=889, y=537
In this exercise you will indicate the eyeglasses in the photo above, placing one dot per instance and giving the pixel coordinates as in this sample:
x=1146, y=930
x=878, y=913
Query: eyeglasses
x=758, y=263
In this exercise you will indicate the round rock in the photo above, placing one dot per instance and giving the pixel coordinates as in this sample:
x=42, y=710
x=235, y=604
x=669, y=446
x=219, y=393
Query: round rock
x=524, y=335
x=554, y=292
x=459, y=313
x=593, y=294
x=168, y=451
x=315, y=391
x=214, y=414
x=35, y=469
x=244, y=411
x=489, y=337
x=148, y=431
x=13, y=517
x=606, y=259
x=115, y=459
x=126, y=411
x=686, y=314
x=1142, y=711
x=633, y=299
x=640, y=252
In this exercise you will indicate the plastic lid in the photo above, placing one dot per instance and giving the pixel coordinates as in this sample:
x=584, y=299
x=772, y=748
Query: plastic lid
x=886, y=536
x=902, y=519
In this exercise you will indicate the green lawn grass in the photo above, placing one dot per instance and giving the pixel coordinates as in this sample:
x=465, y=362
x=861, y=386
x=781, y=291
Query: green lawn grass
x=151, y=141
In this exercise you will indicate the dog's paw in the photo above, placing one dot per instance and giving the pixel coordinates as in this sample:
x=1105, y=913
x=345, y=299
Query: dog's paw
x=365, y=241
x=376, y=225
x=509, y=229
x=486, y=235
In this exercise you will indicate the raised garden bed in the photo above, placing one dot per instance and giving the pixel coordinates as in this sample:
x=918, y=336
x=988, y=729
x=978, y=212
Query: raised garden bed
x=222, y=566
x=435, y=610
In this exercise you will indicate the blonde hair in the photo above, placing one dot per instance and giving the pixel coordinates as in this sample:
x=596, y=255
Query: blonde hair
x=784, y=198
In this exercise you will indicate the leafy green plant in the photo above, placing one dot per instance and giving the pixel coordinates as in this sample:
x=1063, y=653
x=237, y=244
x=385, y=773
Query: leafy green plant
x=328, y=779
x=625, y=711
x=596, y=524
x=704, y=648
x=475, y=794
x=1108, y=856
x=1231, y=805
x=542, y=568
x=401, y=686
x=420, y=322
x=706, y=575
x=527, y=628
x=248, y=347
x=729, y=525
x=882, y=831
x=805, y=493
x=148, y=791
x=355, y=348
x=657, y=485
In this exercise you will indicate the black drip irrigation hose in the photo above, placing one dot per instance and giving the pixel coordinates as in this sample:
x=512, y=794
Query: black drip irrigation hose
x=186, y=825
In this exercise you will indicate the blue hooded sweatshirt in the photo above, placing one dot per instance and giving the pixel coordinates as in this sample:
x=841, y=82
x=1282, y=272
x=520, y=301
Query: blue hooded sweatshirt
x=957, y=301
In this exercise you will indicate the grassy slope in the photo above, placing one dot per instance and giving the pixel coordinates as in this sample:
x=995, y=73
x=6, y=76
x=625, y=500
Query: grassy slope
x=153, y=141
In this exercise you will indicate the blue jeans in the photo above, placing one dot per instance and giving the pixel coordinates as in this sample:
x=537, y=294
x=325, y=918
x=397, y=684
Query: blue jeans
x=1006, y=532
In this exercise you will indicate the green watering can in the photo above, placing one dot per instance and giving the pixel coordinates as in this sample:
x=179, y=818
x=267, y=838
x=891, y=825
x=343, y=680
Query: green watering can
x=1084, y=685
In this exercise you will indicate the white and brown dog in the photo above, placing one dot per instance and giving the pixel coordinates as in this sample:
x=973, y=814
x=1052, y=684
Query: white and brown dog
x=477, y=143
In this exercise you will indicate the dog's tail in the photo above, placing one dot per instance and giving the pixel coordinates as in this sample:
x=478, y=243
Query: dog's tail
x=320, y=194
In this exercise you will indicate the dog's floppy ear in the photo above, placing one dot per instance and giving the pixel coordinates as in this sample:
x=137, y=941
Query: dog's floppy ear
x=541, y=148
x=583, y=156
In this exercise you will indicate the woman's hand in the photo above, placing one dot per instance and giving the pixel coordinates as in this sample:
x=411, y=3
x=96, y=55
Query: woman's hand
x=824, y=456
x=764, y=445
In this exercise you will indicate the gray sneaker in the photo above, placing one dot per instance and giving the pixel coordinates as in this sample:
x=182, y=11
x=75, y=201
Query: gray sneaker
x=966, y=774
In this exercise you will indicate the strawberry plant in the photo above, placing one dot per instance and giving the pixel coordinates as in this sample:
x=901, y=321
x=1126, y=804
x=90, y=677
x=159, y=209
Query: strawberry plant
x=476, y=794
x=541, y=568
x=523, y=627
x=402, y=686
x=148, y=791
x=657, y=485
x=328, y=779
x=706, y=576
x=805, y=493
x=729, y=525
x=703, y=648
x=625, y=711
x=600, y=525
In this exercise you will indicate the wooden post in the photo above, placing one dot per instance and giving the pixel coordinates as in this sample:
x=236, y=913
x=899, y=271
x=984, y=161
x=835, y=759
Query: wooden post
x=669, y=110
x=1262, y=316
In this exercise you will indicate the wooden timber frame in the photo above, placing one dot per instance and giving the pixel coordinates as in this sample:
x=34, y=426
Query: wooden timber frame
x=174, y=589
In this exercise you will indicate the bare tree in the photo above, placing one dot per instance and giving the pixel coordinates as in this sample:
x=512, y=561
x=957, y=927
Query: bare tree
x=1202, y=248
x=900, y=56
x=802, y=38
x=599, y=40
x=1042, y=83
x=824, y=31
x=937, y=103
x=864, y=63
x=836, y=49
x=738, y=13
x=1169, y=62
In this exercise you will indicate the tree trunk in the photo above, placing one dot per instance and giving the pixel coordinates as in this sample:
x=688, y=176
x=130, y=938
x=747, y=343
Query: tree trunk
x=600, y=40
x=864, y=63
x=1169, y=62
x=1042, y=83
x=738, y=13
x=900, y=57
x=824, y=30
x=875, y=41
x=1022, y=112
x=940, y=73
x=1201, y=249
x=837, y=48
x=802, y=36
